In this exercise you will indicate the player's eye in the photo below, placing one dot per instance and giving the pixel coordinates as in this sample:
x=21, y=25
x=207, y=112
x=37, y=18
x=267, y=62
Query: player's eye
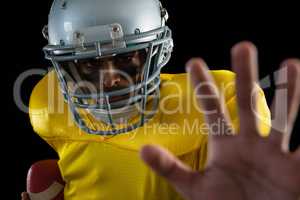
x=124, y=58
x=91, y=64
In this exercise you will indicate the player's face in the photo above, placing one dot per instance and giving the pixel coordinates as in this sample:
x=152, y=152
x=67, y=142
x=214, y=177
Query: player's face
x=108, y=73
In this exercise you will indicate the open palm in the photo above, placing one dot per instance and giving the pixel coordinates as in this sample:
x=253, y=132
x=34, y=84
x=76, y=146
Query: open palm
x=243, y=165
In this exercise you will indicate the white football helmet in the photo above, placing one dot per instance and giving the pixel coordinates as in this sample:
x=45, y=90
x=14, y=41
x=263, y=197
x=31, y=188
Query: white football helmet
x=79, y=30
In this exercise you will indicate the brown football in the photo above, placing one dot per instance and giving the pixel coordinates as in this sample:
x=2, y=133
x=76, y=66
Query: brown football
x=44, y=181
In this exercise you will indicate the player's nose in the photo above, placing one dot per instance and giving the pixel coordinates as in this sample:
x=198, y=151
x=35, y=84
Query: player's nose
x=111, y=76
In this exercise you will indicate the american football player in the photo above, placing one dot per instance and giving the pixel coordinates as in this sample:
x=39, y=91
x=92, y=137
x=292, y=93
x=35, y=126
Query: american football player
x=105, y=99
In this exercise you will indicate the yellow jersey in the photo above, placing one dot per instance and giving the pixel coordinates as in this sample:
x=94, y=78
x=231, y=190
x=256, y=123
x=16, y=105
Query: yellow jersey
x=109, y=167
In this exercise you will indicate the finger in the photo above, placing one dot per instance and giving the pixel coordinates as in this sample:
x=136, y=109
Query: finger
x=208, y=96
x=166, y=165
x=244, y=63
x=286, y=102
x=25, y=196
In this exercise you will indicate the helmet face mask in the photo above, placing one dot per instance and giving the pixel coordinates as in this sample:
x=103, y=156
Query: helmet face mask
x=112, y=85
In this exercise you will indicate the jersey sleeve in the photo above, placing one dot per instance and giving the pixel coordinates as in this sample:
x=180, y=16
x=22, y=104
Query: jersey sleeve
x=40, y=113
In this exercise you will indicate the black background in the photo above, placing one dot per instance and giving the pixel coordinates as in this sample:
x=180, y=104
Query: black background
x=200, y=28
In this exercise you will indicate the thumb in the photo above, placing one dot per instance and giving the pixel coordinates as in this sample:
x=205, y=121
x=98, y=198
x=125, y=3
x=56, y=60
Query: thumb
x=168, y=166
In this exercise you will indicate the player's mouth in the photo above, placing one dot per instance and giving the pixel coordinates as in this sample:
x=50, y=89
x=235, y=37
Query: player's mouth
x=114, y=99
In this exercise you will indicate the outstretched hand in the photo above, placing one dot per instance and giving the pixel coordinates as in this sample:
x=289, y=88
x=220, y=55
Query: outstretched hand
x=243, y=165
